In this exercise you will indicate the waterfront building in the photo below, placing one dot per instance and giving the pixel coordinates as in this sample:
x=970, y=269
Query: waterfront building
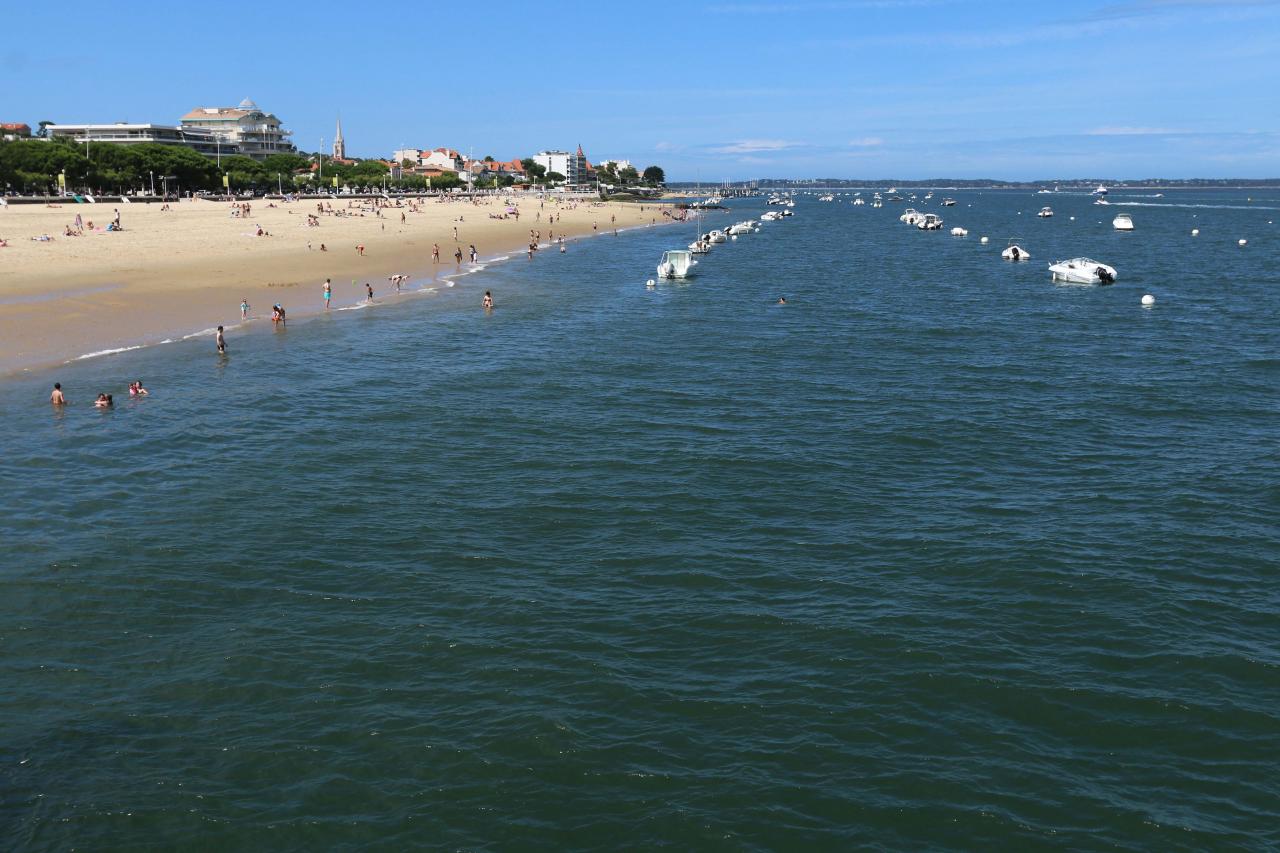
x=248, y=129
x=411, y=154
x=11, y=130
x=576, y=168
x=442, y=158
x=201, y=140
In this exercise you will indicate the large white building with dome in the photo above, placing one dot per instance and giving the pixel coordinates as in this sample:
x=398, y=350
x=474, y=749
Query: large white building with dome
x=244, y=129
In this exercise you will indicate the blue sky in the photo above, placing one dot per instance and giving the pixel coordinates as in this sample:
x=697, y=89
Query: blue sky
x=724, y=89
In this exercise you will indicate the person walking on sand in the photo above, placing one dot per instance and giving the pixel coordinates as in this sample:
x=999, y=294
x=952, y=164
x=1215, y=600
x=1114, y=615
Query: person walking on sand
x=487, y=302
x=328, y=293
x=435, y=253
x=475, y=256
x=369, y=289
x=360, y=249
x=221, y=341
x=244, y=309
x=56, y=397
x=457, y=254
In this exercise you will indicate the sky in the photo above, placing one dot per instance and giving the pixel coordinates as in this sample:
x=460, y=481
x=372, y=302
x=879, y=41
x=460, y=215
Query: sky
x=711, y=90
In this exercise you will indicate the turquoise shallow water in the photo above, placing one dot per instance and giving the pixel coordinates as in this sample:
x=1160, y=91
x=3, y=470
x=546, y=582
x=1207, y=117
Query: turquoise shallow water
x=937, y=556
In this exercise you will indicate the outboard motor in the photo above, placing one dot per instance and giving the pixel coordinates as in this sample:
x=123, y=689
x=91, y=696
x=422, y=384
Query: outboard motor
x=1105, y=277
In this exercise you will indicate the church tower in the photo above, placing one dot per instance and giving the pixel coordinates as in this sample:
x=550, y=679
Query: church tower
x=339, y=147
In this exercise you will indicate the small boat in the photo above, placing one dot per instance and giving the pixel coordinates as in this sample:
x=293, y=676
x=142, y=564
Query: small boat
x=858, y=201
x=959, y=232
x=718, y=236
x=1082, y=271
x=930, y=222
x=1101, y=190
x=1045, y=212
x=701, y=246
x=1014, y=252
x=827, y=197
x=948, y=202
x=877, y=202
x=742, y=228
x=1122, y=222
x=676, y=263
x=910, y=216
x=1102, y=201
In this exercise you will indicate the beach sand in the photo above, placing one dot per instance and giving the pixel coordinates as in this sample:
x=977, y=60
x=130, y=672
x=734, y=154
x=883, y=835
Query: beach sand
x=174, y=273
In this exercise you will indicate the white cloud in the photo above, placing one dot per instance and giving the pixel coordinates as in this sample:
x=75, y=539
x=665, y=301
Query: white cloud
x=755, y=146
x=1132, y=131
x=866, y=142
x=667, y=146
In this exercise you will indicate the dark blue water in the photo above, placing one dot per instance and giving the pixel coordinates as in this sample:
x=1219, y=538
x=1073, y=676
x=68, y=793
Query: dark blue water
x=938, y=556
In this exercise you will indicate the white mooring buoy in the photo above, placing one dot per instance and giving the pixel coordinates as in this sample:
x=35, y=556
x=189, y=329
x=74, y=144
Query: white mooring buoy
x=1148, y=300
x=1243, y=242
x=986, y=240
x=649, y=283
x=1195, y=232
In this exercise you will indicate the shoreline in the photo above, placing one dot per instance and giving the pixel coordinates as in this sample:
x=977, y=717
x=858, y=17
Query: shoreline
x=63, y=317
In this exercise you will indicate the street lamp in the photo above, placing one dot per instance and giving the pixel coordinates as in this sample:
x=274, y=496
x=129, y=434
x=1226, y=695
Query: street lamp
x=153, y=182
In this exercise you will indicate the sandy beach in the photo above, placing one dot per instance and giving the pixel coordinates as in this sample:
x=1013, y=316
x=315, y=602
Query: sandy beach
x=174, y=272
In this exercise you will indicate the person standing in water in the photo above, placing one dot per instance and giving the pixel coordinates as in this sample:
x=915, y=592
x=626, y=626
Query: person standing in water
x=369, y=289
x=328, y=293
x=221, y=340
x=244, y=309
x=487, y=303
x=56, y=397
x=475, y=256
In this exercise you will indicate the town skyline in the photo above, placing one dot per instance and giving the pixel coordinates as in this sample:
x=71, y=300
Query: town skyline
x=843, y=88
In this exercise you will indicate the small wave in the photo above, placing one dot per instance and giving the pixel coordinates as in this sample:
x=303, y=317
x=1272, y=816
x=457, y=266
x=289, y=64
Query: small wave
x=107, y=352
x=355, y=307
x=1194, y=206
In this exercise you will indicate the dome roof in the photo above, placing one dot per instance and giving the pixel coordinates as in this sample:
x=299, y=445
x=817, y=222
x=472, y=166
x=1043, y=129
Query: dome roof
x=247, y=104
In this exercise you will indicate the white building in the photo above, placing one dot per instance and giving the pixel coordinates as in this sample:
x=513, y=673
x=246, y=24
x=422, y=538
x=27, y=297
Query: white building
x=411, y=154
x=251, y=131
x=553, y=161
x=618, y=165
x=200, y=139
x=443, y=158
x=577, y=170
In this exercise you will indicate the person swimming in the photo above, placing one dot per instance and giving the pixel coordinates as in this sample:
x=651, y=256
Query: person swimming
x=56, y=397
x=487, y=302
x=782, y=300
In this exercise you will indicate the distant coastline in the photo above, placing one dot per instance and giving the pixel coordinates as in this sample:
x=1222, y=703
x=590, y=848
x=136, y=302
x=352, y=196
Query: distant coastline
x=1065, y=185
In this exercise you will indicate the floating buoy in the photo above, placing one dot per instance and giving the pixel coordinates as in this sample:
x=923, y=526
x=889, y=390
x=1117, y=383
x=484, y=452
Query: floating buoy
x=649, y=283
x=1243, y=242
x=1073, y=219
x=1148, y=300
x=1195, y=232
x=986, y=240
x=734, y=237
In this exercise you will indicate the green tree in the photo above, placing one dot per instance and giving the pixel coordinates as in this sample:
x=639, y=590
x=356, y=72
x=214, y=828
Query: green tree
x=554, y=178
x=285, y=163
x=655, y=176
x=628, y=175
x=535, y=170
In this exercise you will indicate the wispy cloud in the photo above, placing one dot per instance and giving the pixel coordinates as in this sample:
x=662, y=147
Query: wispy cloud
x=1133, y=131
x=793, y=6
x=1145, y=8
x=755, y=146
x=866, y=142
x=667, y=146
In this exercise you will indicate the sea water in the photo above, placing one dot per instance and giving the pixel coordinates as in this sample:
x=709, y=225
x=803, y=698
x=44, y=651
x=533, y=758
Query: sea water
x=937, y=555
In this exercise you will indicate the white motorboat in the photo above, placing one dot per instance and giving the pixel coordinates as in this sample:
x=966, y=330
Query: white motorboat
x=1102, y=201
x=928, y=195
x=858, y=201
x=676, y=263
x=701, y=246
x=1045, y=212
x=1014, y=252
x=827, y=197
x=948, y=202
x=930, y=222
x=959, y=232
x=1082, y=271
x=1101, y=190
x=1122, y=222
x=742, y=228
x=717, y=236
x=910, y=216
x=771, y=216
x=877, y=202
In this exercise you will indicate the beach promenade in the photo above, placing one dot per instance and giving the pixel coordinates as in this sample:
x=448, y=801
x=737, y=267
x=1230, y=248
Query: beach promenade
x=172, y=272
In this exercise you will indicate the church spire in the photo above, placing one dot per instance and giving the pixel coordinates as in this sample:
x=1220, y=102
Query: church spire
x=339, y=146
